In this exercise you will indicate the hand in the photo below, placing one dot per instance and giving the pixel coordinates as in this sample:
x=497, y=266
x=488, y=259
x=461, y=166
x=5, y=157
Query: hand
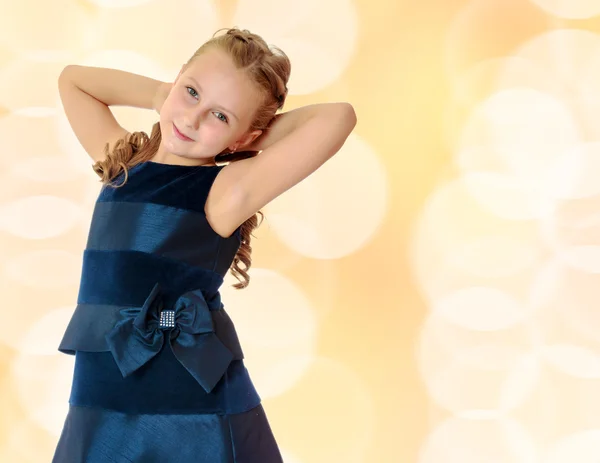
x=162, y=92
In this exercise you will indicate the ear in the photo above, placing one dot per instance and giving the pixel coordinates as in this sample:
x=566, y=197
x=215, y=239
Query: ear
x=245, y=143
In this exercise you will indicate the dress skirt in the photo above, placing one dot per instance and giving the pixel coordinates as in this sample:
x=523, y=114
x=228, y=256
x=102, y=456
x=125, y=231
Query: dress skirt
x=160, y=414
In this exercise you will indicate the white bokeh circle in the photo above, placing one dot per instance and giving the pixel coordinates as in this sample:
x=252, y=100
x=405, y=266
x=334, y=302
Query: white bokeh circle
x=44, y=335
x=572, y=231
x=584, y=258
x=564, y=63
x=489, y=76
x=580, y=447
x=508, y=196
x=27, y=90
x=481, y=308
x=529, y=130
x=166, y=32
x=272, y=311
x=459, y=440
x=478, y=374
x=46, y=169
x=570, y=9
x=15, y=128
x=43, y=375
x=567, y=292
x=573, y=360
x=118, y=4
x=575, y=174
x=303, y=32
x=39, y=217
x=277, y=327
x=43, y=384
x=337, y=209
x=494, y=256
x=459, y=241
x=30, y=26
x=49, y=269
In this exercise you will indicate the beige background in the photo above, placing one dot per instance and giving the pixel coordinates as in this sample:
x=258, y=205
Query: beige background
x=430, y=295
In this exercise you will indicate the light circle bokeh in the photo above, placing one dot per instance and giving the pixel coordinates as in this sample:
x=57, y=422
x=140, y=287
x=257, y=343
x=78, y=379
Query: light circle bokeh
x=508, y=196
x=474, y=374
x=22, y=75
x=66, y=24
x=573, y=360
x=566, y=291
x=459, y=239
x=277, y=326
x=39, y=217
x=43, y=384
x=49, y=269
x=165, y=31
x=303, y=31
x=118, y=4
x=570, y=9
x=481, y=308
x=575, y=174
x=336, y=210
x=580, y=447
x=46, y=169
x=459, y=440
x=527, y=128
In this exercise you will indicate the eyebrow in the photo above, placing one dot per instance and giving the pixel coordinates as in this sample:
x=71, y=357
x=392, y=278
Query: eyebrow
x=218, y=106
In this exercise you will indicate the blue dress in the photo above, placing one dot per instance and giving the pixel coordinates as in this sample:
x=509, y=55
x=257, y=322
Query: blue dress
x=159, y=375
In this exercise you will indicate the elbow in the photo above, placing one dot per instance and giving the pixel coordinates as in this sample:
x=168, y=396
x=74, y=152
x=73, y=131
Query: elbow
x=66, y=75
x=68, y=69
x=348, y=116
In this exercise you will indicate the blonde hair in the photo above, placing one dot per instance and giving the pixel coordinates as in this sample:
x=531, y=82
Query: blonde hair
x=269, y=68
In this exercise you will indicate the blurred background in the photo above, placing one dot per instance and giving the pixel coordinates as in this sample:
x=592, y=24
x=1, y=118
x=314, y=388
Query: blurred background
x=430, y=295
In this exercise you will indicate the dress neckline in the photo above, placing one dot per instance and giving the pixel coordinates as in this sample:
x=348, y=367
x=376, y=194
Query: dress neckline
x=175, y=165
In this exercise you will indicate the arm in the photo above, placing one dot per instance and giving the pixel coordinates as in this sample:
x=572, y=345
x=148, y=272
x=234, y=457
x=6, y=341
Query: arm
x=86, y=94
x=297, y=144
x=285, y=123
x=113, y=87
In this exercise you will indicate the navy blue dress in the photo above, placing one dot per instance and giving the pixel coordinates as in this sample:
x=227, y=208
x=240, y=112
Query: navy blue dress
x=159, y=374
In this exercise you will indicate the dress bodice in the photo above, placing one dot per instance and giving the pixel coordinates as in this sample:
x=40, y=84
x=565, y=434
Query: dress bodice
x=151, y=274
x=153, y=229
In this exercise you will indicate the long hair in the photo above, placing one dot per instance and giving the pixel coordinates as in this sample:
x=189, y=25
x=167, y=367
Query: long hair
x=269, y=68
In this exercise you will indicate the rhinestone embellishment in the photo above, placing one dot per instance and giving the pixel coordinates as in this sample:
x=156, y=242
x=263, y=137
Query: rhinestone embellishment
x=167, y=319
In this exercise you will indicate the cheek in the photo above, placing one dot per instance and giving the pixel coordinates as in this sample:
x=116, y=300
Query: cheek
x=173, y=104
x=210, y=135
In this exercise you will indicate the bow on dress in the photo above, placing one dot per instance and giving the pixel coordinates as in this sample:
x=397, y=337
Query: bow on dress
x=138, y=337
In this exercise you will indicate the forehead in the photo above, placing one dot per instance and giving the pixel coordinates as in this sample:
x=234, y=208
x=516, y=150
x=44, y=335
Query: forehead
x=221, y=82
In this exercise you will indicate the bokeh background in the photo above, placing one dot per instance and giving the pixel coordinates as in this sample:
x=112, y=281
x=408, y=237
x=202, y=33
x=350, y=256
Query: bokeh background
x=430, y=295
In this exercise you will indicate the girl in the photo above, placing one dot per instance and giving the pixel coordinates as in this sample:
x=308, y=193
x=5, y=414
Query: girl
x=159, y=374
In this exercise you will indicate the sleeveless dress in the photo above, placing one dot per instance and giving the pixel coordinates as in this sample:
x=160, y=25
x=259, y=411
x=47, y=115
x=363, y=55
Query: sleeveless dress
x=159, y=375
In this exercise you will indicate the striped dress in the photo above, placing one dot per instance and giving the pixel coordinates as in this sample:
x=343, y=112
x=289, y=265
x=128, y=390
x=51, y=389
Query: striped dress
x=159, y=374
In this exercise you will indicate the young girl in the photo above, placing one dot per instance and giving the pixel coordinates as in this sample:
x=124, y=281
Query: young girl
x=159, y=374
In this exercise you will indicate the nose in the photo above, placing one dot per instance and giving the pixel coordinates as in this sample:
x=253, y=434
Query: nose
x=192, y=118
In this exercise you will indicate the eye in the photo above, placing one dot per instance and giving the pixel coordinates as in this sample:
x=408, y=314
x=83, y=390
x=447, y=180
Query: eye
x=222, y=118
x=195, y=94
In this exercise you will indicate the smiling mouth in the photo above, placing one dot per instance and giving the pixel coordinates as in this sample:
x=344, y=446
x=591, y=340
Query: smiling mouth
x=179, y=135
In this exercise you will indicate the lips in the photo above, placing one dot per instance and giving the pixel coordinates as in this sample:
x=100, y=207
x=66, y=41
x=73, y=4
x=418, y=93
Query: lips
x=179, y=135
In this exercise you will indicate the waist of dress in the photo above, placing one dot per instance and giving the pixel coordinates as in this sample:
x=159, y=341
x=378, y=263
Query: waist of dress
x=199, y=332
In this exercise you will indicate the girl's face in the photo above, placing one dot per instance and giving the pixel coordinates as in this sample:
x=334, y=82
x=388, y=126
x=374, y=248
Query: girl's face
x=209, y=109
